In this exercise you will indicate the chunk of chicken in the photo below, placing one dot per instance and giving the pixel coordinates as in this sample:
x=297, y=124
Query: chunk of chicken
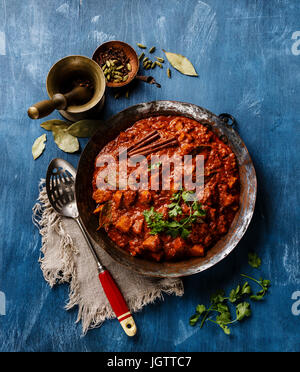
x=101, y=196
x=117, y=197
x=145, y=197
x=152, y=243
x=124, y=223
x=197, y=250
x=138, y=226
x=175, y=248
x=128, y=198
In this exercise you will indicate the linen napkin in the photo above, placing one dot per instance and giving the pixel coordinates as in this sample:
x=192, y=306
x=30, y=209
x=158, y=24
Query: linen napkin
x=65, y=257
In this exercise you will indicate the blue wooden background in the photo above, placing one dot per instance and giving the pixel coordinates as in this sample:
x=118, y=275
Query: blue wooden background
x=248, y=58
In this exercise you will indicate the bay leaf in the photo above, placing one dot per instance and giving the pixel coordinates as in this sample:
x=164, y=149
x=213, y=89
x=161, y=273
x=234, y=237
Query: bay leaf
x=55, y=124
x=105, y=215
x=181, y=63
x=84, y=128
x=38, y=146
x=65, y=141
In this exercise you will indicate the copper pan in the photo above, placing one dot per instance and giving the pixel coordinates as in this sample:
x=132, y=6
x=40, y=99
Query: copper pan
x=127, y=118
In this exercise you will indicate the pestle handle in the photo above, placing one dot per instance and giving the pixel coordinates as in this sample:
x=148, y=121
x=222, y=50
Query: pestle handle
x=44, y=108
x=78, y=95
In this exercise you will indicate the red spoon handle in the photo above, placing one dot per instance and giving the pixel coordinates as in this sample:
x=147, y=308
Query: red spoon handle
x=117, y=303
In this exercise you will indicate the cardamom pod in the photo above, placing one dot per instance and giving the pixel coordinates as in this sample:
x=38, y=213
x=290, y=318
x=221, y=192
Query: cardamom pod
x=161, y=60
x=159, y=64
x=169, y=73
x=152, y=50
x=141, y=46
x=128, y=66
x=153, y=65
x=141, y=56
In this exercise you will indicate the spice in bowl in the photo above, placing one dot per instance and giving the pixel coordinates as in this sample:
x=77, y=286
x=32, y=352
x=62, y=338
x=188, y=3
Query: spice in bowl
x=115, y=65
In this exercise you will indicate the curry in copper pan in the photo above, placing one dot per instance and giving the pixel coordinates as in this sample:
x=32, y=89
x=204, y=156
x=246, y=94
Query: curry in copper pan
x=170, y=224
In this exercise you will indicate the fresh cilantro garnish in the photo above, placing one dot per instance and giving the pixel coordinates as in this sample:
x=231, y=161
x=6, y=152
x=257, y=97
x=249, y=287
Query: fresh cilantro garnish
x=254, y=260
x=173, y=225
x=155, y=221
x=218, y=297
x=263, y=283
x=242, y=311
x=175, y=210
x=238, y=293
x=219, y=312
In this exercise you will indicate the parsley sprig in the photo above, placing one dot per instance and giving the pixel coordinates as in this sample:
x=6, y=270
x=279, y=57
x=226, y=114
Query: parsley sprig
x=174, y=225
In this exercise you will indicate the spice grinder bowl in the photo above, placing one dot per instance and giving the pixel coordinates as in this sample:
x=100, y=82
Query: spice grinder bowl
x=69, y=69
x=128, y=51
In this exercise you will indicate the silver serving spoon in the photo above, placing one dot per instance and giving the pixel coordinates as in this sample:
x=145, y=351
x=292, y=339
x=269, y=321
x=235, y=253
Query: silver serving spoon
x=60, y=186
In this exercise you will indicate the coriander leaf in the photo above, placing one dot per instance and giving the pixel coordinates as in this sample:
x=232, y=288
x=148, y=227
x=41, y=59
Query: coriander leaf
x=155, y=221
x=188, y=196
x=242, y=310
x=254, y=260
x=235, y=294
x=225, y=328
x=265, y=283
x=174, y=211
x=246, y=289
x=173, y=233
x=198, y=208
x=194, y=319
x=200, y=309
x=224, y=318
x=221, y=307
x=176, y=196
x=218, y=297
x=184, y=233
x=257, y=297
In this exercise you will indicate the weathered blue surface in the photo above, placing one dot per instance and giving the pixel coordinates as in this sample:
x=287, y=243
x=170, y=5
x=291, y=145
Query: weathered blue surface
x=248, y=64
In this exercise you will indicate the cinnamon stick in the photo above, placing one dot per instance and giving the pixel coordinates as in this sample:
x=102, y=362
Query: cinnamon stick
x=154, y=147
x=153, y=136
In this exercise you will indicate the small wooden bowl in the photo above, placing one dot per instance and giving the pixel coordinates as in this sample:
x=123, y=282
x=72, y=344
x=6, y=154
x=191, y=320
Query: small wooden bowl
x=130, y=53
